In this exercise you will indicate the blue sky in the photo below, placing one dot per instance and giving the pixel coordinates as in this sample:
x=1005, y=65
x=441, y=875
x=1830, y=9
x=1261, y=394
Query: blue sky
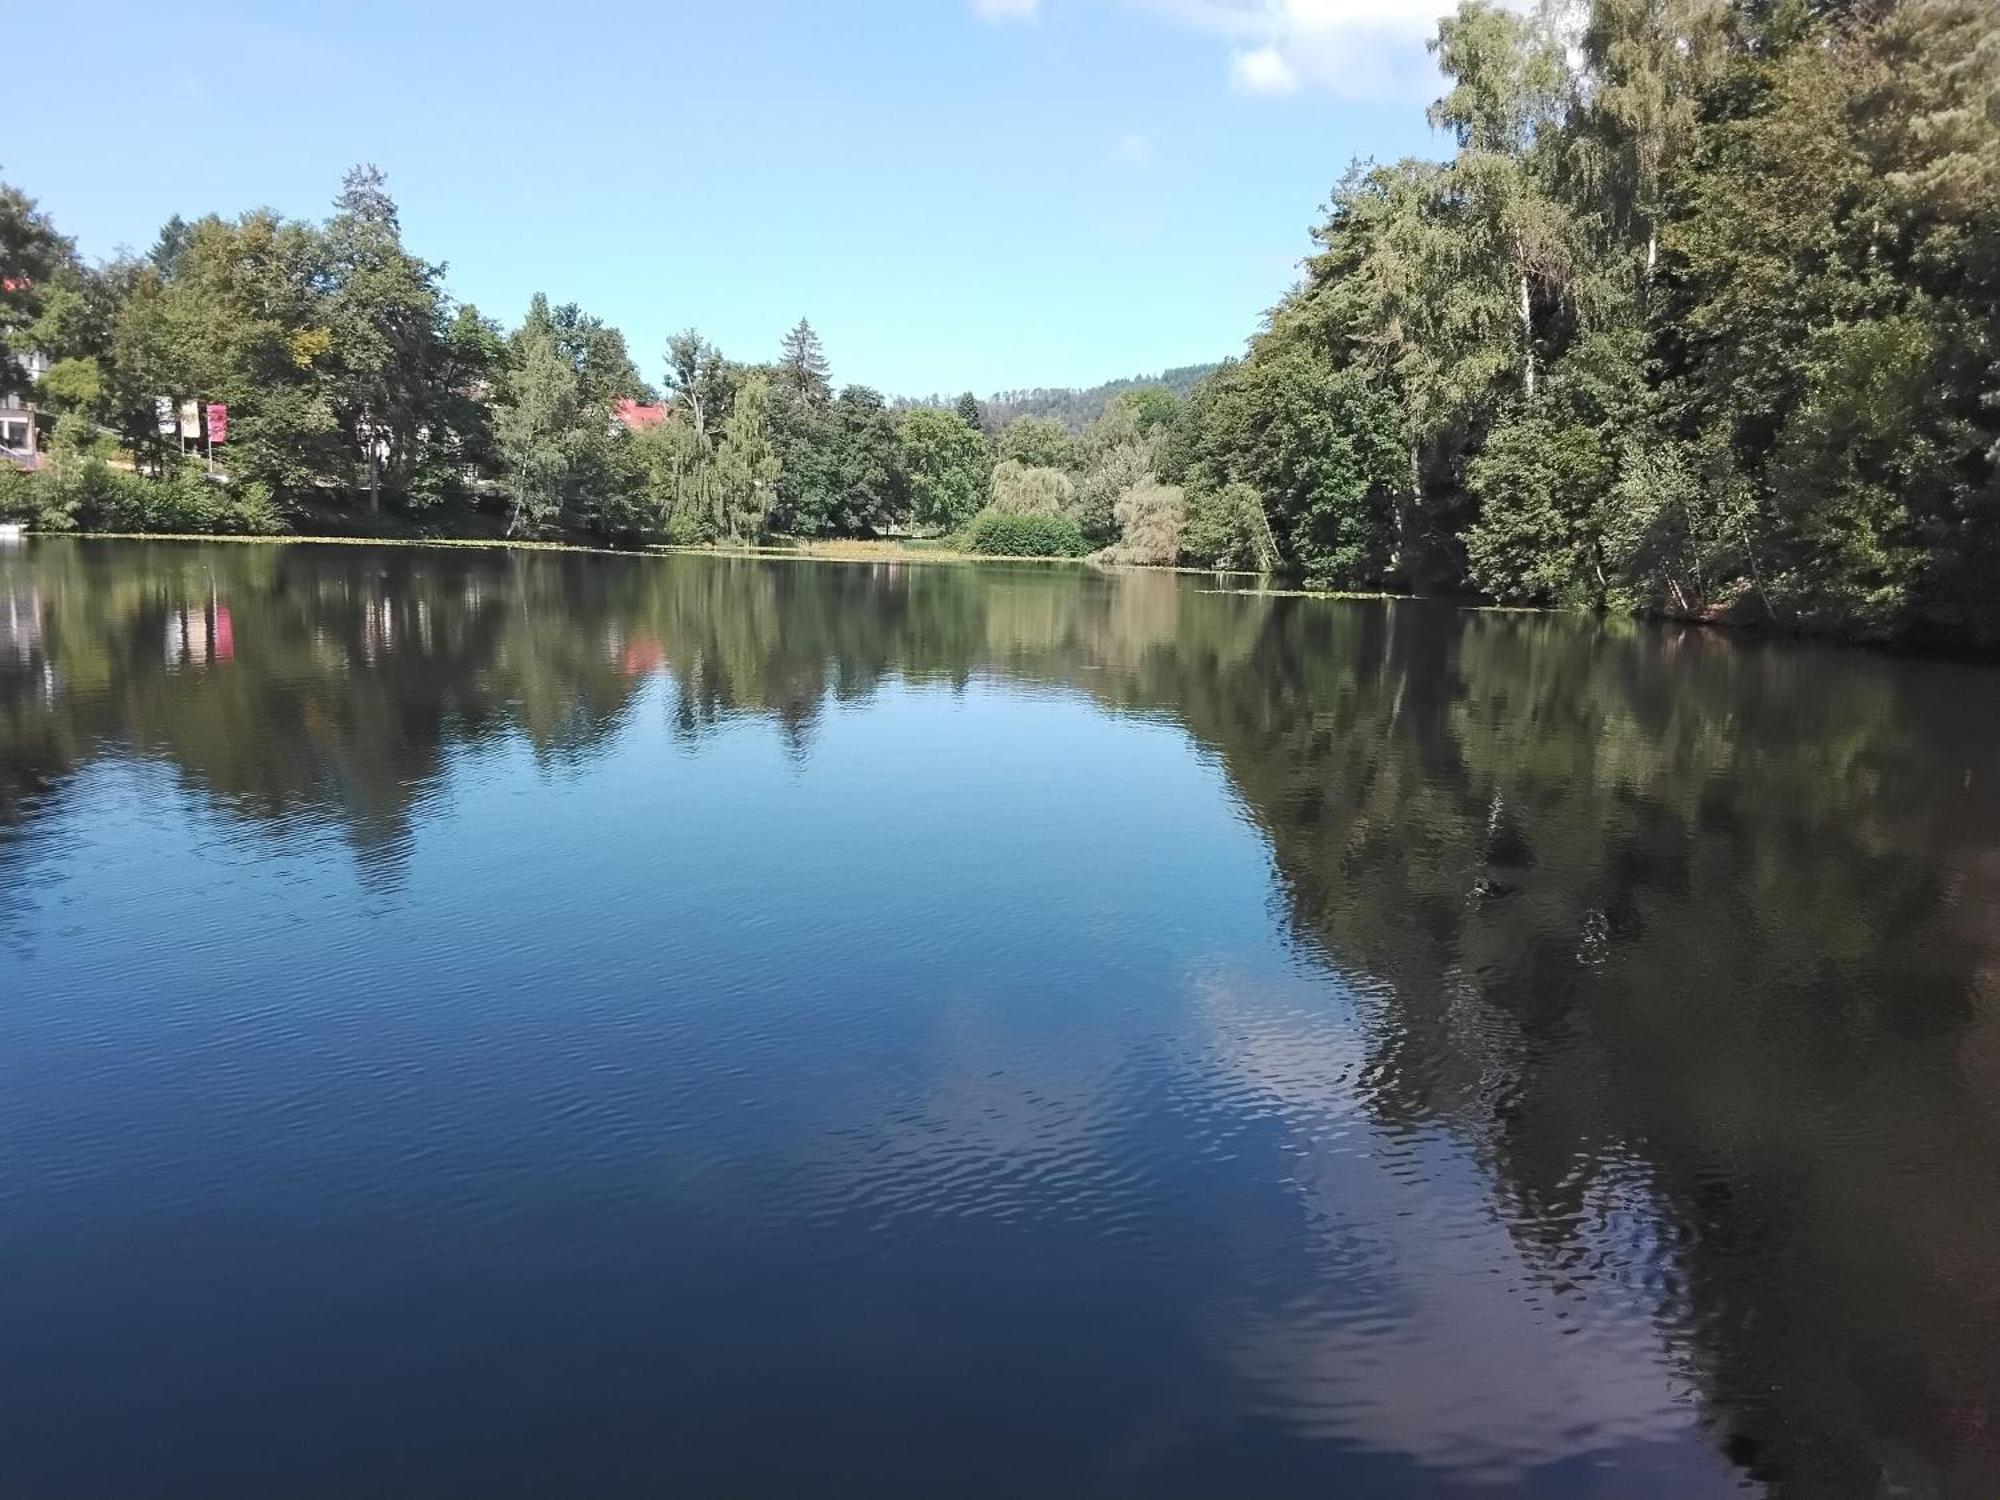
x=982, y=193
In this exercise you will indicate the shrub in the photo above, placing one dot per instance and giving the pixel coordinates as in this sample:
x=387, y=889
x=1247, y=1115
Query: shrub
x=1005, y=534
x=1023, y=491
x=1113, y=471
x=1226, y=529
x=1150, y=518
x=17, y=494
x=88, y=494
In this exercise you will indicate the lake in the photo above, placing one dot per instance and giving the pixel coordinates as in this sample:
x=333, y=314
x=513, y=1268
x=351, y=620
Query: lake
x=528, y=1024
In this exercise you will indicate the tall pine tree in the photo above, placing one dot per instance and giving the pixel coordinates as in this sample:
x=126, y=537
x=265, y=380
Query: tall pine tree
x=802, y=365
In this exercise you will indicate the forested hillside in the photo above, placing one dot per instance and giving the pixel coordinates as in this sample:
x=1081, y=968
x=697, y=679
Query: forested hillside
x=1699, y=316
x=1076, y=409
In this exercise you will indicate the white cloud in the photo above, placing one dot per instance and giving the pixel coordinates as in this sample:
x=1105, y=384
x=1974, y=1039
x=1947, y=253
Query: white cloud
x=1357, y=49
x=1263, y=70
x=1135, y=148
x=1006, y=10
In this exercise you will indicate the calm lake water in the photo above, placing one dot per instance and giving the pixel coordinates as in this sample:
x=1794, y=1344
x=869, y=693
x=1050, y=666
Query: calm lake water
x=529, y=1025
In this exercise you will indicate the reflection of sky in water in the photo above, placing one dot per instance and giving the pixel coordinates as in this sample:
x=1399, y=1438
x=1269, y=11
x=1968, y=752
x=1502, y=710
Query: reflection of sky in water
x=1422, y=1325
x=1041, y=1033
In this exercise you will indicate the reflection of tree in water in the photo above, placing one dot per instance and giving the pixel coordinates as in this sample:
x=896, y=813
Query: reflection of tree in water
x=1716, y=910
x=1671, y=897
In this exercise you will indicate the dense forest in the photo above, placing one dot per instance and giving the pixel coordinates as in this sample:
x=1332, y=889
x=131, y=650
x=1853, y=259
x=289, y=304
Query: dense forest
x=1701, y=316
x=1076, y=408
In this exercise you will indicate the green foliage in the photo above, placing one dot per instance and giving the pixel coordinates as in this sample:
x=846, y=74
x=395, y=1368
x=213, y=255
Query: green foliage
x=999, y=533
x=946, y=464
x=80, y=491
x=73, y=385
x=1075, y=409
x=31, y=253
x=1113, y=471
x=1676, y=529
x=1540, y=481
x=1117, y=453
x=747, y=464
x=1700, y=313
x=802, y=366
x=1323, y=448
x=543, y=428
x=1037, y=443
x=1150, y=518
x=1706, y=327
x=1153, y=407
x=1019, y=490
x=1545, y=479
x=1226, y=528
x=869, y=481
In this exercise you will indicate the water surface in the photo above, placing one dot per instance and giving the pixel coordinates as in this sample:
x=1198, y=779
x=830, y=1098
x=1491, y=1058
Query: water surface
x=527, y=1025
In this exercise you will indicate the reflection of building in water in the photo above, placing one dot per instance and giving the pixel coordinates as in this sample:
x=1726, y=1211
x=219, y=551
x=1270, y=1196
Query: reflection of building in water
x=200, y=635
x=21, y=624
x=380, y=629
x=24, y=660
x=637, y=655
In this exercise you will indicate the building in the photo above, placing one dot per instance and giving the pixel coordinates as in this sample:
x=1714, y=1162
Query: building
x=636, y=416
x=18, y=441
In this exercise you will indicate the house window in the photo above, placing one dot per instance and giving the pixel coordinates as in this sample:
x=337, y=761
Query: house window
x=14, y=435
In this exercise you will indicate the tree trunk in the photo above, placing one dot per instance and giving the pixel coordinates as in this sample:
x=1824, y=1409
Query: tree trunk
x=1527, y=339
x=1404, y=509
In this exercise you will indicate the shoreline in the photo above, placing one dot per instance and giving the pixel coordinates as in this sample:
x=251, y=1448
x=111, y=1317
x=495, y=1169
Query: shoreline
x=897, y=552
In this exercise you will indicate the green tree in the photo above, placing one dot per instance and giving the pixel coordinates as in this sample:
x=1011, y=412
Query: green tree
x=1509, y=84
x=1150, y=518
x=1323, y=448
x=244, y=319
x=746, y=463
x=946, y=464
x=1227, y=528
x=540, y=427
x=804, y=432
x=1154, y=406
x=1037, y=443
x=1017, y=489
x=385, y=312
x=802, y=365
x=31, y=252
x=871, y=489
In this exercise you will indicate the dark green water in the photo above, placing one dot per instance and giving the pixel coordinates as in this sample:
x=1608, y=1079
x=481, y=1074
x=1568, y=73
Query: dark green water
x=532, y=1025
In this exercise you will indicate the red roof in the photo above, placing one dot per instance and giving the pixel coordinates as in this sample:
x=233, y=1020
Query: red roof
x=637, y=417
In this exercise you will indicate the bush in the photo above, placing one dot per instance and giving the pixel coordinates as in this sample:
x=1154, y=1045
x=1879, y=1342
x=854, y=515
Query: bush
x=1226, y=529
x=1022, y=491
x=78, y=493
x=1150, y=518
x=1005, y=534
x=1113, y=471
x=17, y=494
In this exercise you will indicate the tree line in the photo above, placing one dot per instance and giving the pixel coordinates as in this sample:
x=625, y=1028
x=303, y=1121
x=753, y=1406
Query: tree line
x=1076, y=408
x=1700, y=316
x=361, y=396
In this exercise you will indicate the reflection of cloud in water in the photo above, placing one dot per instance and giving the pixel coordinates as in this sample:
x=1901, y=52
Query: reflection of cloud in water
x=1423, y=1327
x=1005, y=1123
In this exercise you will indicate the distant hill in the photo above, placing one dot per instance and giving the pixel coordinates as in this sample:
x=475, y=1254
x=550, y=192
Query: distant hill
x=1075, y=409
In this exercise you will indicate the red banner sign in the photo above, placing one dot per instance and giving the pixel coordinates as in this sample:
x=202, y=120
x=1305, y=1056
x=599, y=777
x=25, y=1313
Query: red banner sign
x=218, y=422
